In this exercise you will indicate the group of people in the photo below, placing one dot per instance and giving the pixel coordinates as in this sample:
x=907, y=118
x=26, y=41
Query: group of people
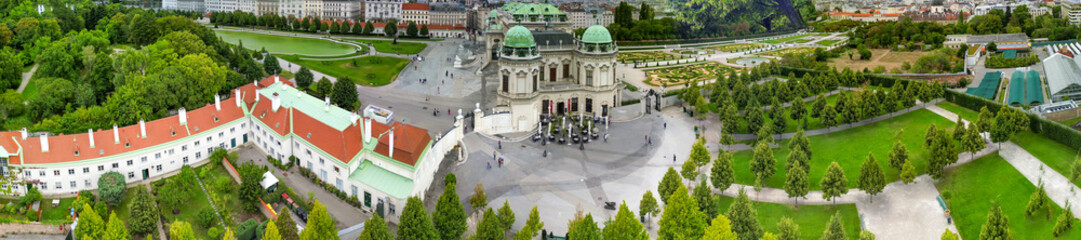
x=497, y=158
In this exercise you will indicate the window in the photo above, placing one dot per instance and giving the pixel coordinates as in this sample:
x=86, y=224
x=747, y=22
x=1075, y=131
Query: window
x=196, y=143
x=339, y=183
x=354, y=191
x=58, y=186
x=87, y=183
x=309, y=151
x=86, y=169
x=321, y=161
x=28, y=173
x=72, y=184
x=116, y=165
x=44, y=186
x=56, y=173
x=159, y=167
x=143, y=159
x=71, y=171
x=309, y=167
x=506, y=81
x=221, y=134
x=208, y=138
x=198, y=155
x=323, y=174
x=390, y=206
x=130, y=162
x=185, y=160
x=101, y=168
x=157, y=155
x=209, y=150
x=131, y=175
x=170, y=152
x=184, y=148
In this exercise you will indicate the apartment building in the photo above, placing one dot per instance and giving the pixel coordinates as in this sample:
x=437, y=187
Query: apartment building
x=342, y=9
x=383, y=10
x=446, y=13
x=415, y=12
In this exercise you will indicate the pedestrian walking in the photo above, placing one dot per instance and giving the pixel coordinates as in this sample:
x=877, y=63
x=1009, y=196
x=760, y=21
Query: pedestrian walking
x=493, y=155
x=500, y=144
x=666, y=125
x=489, y=165
x=673, y=158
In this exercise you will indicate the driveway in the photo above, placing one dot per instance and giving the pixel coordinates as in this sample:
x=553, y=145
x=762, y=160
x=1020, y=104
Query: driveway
x=345, y=214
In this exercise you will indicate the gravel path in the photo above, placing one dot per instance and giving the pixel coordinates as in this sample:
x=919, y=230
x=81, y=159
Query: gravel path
x=26, y=77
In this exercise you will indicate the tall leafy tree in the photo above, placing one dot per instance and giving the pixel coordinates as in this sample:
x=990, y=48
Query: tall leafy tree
x=762, y=165
x=948, y=235
x=744, y=218
x=506, y=215
x=1037, y=202
x=796, y=158
x=699, y=153
x=323, y=88
x=415, y=223
x=898, y=156
x=479, y=200
x=288, y=228
x=959, y=130
x=797, y=110
x=411, y=29
x=943, y=153
x=972, y=141
x=829, y=117
x=796, y=182
x=800, y=140
x=584, y=228
x=722, y=173
x=689, y=170
x=90, y=224
x=424, y=30
x=787, y=229
x=681, y=218
x=111, y=188
x=647, y=207
x=1064, y=223
x=908, y=173
x=10, y=67
x=834, y=183
x=704, y=196
x=144, y=214
x=624, y=226
x=270, y=65
x=985, y=120
x=304, y=77
x=449, y=216
x=116, y=229
x=271, y=232
x=867, y=235
x=345, y=94
x=669, y=183
x=250, y=175
x=321, y=226
x=929, y=136
x=181, y=230
x=834, y=229
x=489, y=228
x=532, y=225
x=997, y=225
x=871, y=180
x=375, y=229
x=819, y=106
x=720, y=229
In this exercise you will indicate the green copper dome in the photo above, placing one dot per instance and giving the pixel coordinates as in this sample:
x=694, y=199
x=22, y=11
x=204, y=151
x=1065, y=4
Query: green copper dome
x=520, y=37
x=596, y=34
x=493, y=14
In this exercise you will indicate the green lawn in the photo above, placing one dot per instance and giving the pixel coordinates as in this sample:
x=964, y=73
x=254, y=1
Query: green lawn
x=388, y=46
x=124, y=211
x=812, y=219
x=1071, y=122
x=790, y=124
x=965, y=113
x=828, y=42
x=58, y=213
x=1054, y=154
x=31, y=90
x=970, y=198
x=784, y=39
x=286, y=45
x=850, y=147
x=367, y=71
x=189, y=211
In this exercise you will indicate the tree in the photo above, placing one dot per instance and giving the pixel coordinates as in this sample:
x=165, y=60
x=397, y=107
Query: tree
x=867, y=235
x=690, y=170
x=762, y=165
x=271, y=232
x=111, y=187
x=1075, y=170
x=829, y=117
x=722, y=174
x=720, y=229
x=648, y=206
x=90, y=224
x=699, y=153
x=369, y=27
x=681, y=218
x=787, y=229
x=479, y=200
x=375, y=229
x=645, y=12
x=834, y=229
x=181, y=230
x=704, y=196
x=304, y=77
x=506, y=215
x=415, y=223
x=796, y=158
x=411, y=29
x=972, y=141
x=144, y=213
x=116, y=229
x=323, y=87
x=1064, y=222
x=1038, y=202
x=797, y=110
x=250, y=175
x=898, y=156
x=584, y=228
x=959, y=131
x=871, y=180
x=834, y=183
x=942, y=154
x=991, y=47
x=321, y=226
x=144, y=29
x=908, y=173
x=391, y=29
x=796, y=183
x=424, y=30
x=819, y=106
x=997, y=225
x=10, y=66
x=948, y=235
x=288, y=228
x=624, y=226
x=669, y=183
x=532, y=225
x=929, y=137
x=800, y=140
x=985, y=120
x=1001, y=128
x=489, y=228
x=744, y=218
x=449, y=216
x=345, y=94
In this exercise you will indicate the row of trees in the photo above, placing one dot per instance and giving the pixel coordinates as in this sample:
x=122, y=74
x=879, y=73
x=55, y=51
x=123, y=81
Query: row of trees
x=313, y=24
x=912, y=35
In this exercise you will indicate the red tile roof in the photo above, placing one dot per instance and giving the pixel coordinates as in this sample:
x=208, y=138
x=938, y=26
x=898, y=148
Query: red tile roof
x=343, y=145
x=410, y=141
x=415, y=6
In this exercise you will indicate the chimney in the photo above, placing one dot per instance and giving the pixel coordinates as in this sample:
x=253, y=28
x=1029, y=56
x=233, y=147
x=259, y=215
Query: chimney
x=353, y=118
x=367, y=129
x=90, y=132
x=116, y=134
x=390, y=150
x=25, y=133
x=44, y=142
x=326, y=106
x=237, y=97
x=276, y=80
x=142, y=128
x=275, y=102
x=183, y=116
x=217, y=102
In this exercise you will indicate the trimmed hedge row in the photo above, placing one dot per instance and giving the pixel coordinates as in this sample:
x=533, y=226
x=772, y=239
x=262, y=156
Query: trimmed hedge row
x=1039, y=125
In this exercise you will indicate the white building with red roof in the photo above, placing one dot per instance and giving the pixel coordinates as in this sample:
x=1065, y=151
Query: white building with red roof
x=380, y=164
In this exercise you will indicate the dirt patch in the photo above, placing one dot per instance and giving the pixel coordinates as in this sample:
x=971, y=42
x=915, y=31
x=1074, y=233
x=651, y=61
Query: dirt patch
x=883, y=57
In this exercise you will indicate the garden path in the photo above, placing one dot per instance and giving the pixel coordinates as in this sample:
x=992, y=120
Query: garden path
x=30, y=228
x=26, y=77
x=161, y=228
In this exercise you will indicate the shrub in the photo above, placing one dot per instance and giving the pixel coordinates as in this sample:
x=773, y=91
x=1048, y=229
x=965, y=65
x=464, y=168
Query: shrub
x=207, y=217
x=214, y=232
x=111, y=187
x=31, y=216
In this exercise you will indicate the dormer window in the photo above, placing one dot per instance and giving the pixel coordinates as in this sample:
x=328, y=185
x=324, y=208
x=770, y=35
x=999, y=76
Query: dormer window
x=215, y=118
x=76, y=152
x=309, y=135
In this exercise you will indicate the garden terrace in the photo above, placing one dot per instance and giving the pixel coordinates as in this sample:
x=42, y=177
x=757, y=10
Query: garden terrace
x=736, y=47
x=685, y=74
x=649, y=56
x=784, y=51
x=785, y=39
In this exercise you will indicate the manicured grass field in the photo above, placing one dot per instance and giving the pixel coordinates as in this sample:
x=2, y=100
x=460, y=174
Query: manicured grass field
x=812, y=219
x=850, y=147
x=367, y=71
x=971, y=189
x=1056, y=155
x=1071, y=122
x=388, y=46
x=58, y=213
x=828, y=42
x=784, y=39
x=286, y=45
x=965, y=113
x=31, y=90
